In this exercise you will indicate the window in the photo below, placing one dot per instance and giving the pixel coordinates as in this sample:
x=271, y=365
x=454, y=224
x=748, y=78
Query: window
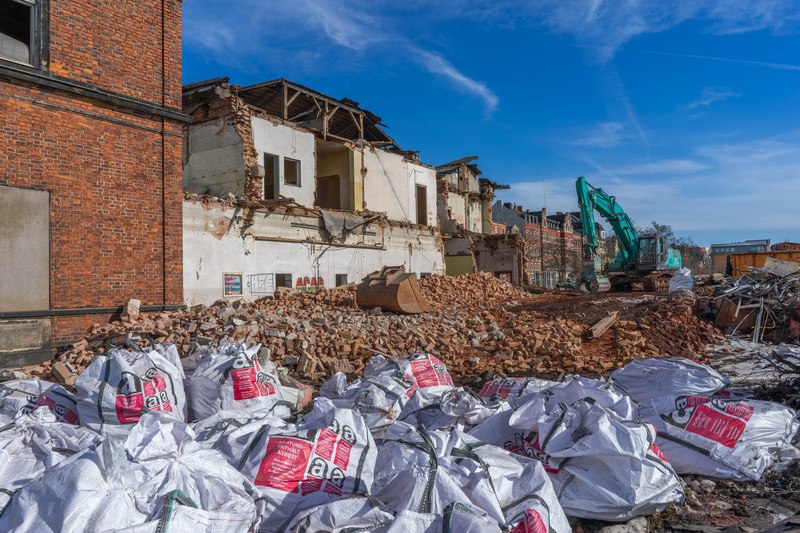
x=18, y=40
x=422, y=205
x=283, y=280
x=270, y=171
x=341, y=279
x=291, y=172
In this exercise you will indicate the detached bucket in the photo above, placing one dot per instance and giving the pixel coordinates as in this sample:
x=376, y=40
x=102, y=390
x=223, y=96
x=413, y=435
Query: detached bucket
x=392, y=289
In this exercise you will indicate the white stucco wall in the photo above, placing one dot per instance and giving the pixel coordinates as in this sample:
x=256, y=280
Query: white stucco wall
x=389, y=186
x=285, y=141
x=425, y=176
x=213, y=245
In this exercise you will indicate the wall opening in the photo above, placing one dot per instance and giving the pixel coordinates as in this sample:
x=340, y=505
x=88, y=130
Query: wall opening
x=17, y=30
x=334, y=170
x=270, y=175
x=422, y=205
x=329, y=192
x=24, y=249
x=291, y=172
x=283, y=280
x=341, y=279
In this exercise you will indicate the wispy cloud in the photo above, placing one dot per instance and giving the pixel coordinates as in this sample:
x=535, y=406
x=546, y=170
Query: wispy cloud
x=440, y=66
x=662, y=166
x=312, y=30
x=766, y=64
x=702, y=196
x=604, y=135
x=607, y=25
x=710, y=95
x=353, y=29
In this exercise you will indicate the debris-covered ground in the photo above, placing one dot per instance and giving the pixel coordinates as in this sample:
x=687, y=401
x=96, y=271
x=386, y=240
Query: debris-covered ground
x=479, y=325
x=483, y=329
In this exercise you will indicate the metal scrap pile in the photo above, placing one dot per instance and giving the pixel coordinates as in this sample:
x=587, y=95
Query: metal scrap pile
x=765, y=302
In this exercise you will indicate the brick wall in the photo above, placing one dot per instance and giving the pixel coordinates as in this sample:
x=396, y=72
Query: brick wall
x=108, y=168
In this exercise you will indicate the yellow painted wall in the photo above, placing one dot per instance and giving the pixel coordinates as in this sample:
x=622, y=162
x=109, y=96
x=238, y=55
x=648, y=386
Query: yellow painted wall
x=340, y=163
x=458, y=264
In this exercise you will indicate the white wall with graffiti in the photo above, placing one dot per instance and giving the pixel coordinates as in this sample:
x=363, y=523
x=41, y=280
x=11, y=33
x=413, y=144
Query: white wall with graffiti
x=231, y=252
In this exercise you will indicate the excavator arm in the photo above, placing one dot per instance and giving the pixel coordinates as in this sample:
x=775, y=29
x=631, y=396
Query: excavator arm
x=589, y=199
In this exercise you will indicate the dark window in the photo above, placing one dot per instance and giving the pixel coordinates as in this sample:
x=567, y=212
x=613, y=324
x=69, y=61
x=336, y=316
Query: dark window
x=422, y=205
x=17, y=30
x=291, y=172
x=270, y=171
x=424, y=275
x=341, y=279
x=283, y=280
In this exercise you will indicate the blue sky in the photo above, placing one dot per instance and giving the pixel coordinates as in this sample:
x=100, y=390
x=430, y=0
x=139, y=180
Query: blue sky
x=687, y=111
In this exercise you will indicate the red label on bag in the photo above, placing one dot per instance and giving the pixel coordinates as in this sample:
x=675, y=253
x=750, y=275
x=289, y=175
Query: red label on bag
x=430, y=372
x=342, y=458
x=284, y=464
x=129, y=408
x=716, y=425
x=62, y=413
x=532, y=523
x=501, y=389
x=248, y=379
x=655, y=450
x=326, y=443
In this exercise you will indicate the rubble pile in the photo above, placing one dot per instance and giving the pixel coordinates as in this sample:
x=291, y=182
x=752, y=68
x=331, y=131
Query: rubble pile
x=479, y=325
x=663, y=327
x=472, y=290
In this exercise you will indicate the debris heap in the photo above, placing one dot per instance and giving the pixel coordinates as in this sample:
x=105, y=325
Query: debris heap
x=478, y=325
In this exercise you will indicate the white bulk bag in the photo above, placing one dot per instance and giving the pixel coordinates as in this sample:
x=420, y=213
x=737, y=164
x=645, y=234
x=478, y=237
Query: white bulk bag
x=356, y=513
x=329, y=455
x=725, y=438
x=25, y=395
x=666, y=382
x=603, y=466
x=119, y=386
x=157, y=476
x=231, y=378
x=34, y=443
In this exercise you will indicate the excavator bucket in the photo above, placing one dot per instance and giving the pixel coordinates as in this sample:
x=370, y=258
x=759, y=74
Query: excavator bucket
x=392, y=289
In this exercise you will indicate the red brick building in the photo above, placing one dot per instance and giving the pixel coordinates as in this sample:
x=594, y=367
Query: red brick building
x=90, y=166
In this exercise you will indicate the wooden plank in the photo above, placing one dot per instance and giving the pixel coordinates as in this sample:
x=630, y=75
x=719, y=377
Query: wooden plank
x=602, y=326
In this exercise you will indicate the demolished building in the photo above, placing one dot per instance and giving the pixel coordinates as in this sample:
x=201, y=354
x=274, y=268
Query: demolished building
x=472, y=241
x=310, y=191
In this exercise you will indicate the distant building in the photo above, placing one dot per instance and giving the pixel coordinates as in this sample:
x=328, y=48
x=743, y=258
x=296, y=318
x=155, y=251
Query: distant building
x=720, y=252
x=473, y=241
x=785, y=246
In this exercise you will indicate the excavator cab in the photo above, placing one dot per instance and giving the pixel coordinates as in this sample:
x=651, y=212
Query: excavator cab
x=650, y=248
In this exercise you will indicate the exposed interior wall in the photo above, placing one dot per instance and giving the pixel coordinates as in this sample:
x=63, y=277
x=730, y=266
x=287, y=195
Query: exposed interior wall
x=337, y=160
x=216, y=243
x=213, y=159
x=386, y=184
x=419, y=175
x=498, y=256
x=474, y=214
x=287, y=142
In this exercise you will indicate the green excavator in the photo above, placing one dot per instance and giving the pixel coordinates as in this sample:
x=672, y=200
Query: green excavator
x=646, y=259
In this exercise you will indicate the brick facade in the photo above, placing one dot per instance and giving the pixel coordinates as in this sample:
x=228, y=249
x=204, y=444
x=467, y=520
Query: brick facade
x=100, y=128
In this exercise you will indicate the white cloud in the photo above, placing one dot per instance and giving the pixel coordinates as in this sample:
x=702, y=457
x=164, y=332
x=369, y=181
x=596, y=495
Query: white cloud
x=710, y=96
x=604, y=135
x=280, y=33
x=662, y=166
x=749, y=186
x=607, y=25
x=438, y=65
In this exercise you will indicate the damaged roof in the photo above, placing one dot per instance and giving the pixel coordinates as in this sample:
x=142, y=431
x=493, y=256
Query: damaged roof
x=464, y=161
x=338, y=118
